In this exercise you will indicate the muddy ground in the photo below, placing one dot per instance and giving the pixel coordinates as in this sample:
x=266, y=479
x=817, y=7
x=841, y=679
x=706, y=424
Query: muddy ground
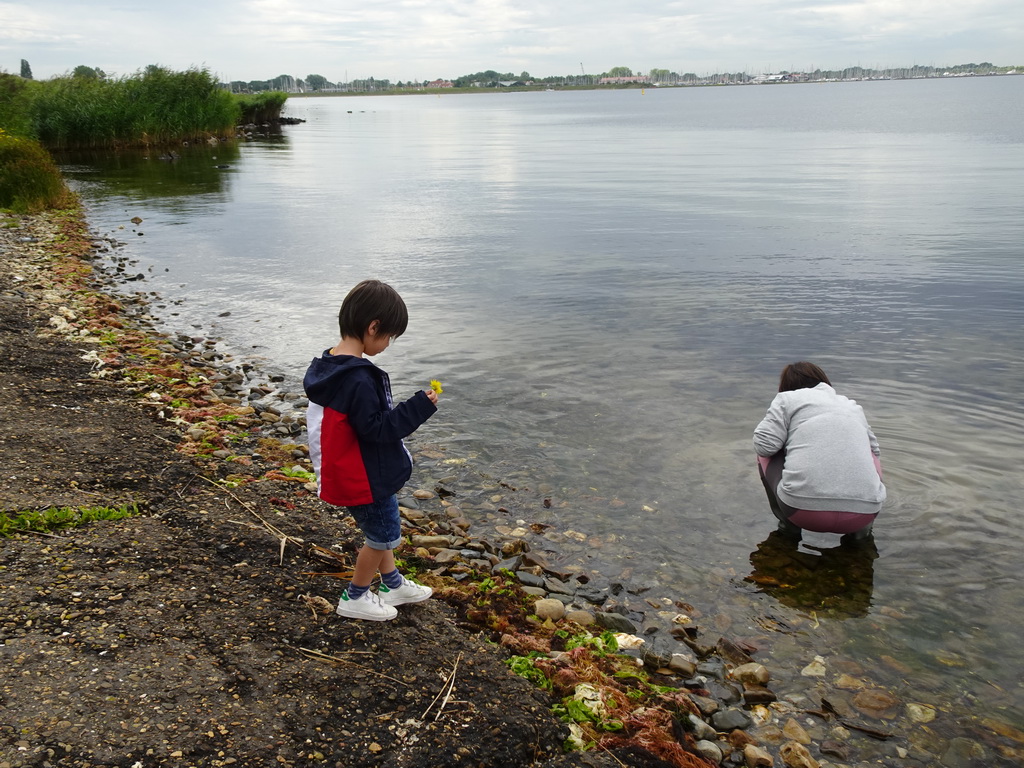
x=183, y=636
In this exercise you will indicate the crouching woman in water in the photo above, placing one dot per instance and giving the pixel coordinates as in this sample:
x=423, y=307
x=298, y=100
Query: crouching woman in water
x=818, y=458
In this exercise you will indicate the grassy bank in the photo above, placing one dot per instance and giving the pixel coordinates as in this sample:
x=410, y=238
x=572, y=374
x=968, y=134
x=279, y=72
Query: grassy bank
x=29, y=179
x=153, y=107
x=156, y=106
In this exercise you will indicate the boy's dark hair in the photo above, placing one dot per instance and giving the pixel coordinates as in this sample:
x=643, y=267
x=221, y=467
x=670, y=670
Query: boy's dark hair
x=802, y=375
x=372, y=300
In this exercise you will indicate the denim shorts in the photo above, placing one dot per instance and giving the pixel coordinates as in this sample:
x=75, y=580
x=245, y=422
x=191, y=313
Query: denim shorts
x=380, y=523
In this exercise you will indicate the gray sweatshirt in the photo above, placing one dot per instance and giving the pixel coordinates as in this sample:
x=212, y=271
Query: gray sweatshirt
x=829, y=448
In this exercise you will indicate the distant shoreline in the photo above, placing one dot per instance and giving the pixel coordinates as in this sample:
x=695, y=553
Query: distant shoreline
x=625, y=86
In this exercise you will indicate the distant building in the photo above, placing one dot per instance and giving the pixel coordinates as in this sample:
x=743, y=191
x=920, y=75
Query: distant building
x=624, y=80
x=441, y=84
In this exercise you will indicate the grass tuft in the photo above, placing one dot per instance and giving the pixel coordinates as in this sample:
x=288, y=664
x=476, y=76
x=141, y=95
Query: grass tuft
x=261, y=107
x=58, y=518
x=29, y=179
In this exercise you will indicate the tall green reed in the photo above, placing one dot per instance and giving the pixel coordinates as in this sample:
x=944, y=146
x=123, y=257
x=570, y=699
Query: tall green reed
x=152, y=107
x=261, y=107
x=15, y=105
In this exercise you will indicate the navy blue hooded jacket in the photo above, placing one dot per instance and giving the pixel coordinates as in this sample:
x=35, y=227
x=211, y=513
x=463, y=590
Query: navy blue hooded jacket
x=355, y=433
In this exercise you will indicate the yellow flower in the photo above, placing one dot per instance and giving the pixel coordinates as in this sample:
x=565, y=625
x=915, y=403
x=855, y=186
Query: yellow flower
x=436, y=386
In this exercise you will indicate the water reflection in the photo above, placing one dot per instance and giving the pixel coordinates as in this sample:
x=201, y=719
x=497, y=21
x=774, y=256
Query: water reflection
x=607, y=292
x=156, y=174
x=835, y=582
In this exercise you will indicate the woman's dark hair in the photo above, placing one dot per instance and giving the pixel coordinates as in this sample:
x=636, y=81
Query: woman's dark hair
x=802, y=375
x=372, y=300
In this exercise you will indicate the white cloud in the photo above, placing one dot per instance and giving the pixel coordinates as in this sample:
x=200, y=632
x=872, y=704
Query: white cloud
x=448, y=38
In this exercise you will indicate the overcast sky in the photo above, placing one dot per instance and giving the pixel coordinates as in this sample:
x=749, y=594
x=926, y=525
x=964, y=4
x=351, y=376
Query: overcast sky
x=428, y=39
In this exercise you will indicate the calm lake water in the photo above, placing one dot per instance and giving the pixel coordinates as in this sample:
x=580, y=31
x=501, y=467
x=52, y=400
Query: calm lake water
x=608, y=284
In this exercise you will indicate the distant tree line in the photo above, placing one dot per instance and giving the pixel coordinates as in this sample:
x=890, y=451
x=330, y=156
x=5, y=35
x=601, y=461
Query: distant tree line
x=492, y=78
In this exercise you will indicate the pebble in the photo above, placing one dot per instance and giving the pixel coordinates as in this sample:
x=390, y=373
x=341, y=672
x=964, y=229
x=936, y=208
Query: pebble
x=700, y=729
x=815, y=669
x=876, y=703
x=794, y=731
x=710, y=750
x=730, y=719
x=962, y=753
x=682, y=665
x=920, y=713
x=549, y=609
x=751, y=673
x=615, y=622
x=583, y=618
x=796, y=755
x=756, y=757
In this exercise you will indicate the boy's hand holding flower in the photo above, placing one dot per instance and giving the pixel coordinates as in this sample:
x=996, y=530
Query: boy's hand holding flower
x=434, y=391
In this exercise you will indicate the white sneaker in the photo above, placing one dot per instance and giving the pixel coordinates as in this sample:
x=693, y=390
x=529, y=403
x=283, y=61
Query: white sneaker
x=368, y=607
x=409, y=592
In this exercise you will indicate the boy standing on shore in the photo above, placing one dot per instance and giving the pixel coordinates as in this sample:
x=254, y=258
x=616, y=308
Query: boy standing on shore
x=355, y=443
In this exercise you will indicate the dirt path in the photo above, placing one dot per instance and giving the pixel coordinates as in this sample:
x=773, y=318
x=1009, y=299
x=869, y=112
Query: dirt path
x=181, y=636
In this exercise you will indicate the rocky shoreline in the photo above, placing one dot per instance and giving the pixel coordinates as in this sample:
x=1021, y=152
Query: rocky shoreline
x=201, y=632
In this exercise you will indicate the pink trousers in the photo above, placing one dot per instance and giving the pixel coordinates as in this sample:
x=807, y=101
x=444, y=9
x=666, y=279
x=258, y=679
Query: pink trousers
x=822, y=521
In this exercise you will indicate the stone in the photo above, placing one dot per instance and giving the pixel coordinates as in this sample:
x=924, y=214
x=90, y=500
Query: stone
x=592, y=595
x=834, y=749
x=447, y=556
x=709, y=750
x=795, y=732
x=535, y=591
x=510, y=564
x=700, y=729
x=850, y=683
x=682, y=665
x=514, y=547
x=756, y=757
x=770, y=734
x=796, y=755
x=549, y=609
x=554, y=585
x=730, y=719
x=757, y=694
x=706, y=705
x=751, y=673
x=615, y=622
x=422, y=493
x=962, y=753
x=724, y=692
x=920, y=713
x=740, y=739
x=876, y=703
x=731, y=651
x=535, y=559
x=583, y=618
x=712, y=668
x=431, y=541
x=815, y=669
x=530, y=579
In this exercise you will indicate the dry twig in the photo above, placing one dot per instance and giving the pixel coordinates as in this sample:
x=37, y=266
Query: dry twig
x=335, y=660
x=450, y=685
x=272, y=528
